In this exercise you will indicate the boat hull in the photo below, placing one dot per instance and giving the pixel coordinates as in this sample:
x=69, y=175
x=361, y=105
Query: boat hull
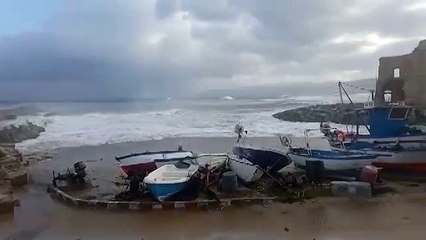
x=145, y=167
x=333, y=160
x=331, y=165
x=169, y=180
x=266, y=159
x=148, y=162
x=162, y=191
x=245, y=170
x=406, y=160
x=410, y=154
x=365, y=141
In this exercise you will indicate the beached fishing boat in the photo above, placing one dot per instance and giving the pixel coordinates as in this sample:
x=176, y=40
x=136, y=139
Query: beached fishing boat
x=169, y=180
x=402, y=146
x=386, y=126
x=338, y=161
x=244, y=169
x=267, y=159
x=333, y=160
x=211, y=161
x=149, y=161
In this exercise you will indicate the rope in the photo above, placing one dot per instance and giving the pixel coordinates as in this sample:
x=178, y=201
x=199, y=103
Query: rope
x=359, y=88
x=245, y=163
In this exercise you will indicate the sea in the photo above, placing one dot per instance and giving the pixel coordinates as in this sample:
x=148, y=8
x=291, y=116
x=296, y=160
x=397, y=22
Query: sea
x=70, y=124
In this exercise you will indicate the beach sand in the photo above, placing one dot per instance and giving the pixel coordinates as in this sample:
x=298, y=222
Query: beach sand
x=392, y=216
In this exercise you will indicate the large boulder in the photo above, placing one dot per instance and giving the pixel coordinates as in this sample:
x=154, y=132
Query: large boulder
x=337, y=113
x=15, y=134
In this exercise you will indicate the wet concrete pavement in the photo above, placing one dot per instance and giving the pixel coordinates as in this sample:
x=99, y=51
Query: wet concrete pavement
x=41, y=217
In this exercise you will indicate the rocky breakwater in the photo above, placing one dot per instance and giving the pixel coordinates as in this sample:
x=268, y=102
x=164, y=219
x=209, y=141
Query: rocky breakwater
x=337, y=113
x=15, y=134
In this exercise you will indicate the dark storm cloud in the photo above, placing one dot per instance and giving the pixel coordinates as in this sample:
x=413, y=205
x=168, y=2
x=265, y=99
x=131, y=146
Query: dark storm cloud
x=95, y=49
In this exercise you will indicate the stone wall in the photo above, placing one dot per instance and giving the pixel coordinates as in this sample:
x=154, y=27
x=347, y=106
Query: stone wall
x=410, y=84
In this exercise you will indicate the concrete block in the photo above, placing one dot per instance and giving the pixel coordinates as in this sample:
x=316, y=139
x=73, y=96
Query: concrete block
x=17, y=176
x=339, y=188
x=359, y=190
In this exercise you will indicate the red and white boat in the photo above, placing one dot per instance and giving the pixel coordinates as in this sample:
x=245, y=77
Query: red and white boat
x=149, y=161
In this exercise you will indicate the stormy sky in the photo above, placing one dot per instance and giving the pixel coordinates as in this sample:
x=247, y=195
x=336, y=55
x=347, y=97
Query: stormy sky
x=83, y=49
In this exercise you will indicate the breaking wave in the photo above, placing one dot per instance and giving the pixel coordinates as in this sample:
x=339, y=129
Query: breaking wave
x=120, y=122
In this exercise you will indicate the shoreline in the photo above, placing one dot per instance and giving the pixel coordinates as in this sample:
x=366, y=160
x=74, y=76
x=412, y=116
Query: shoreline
x=271, y=141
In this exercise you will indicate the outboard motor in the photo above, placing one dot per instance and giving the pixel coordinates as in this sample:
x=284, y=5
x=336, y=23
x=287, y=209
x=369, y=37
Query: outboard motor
x=72, y=177
x=79, y=169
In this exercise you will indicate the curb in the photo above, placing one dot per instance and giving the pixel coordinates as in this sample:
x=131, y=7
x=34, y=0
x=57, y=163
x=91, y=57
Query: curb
x=152, y=205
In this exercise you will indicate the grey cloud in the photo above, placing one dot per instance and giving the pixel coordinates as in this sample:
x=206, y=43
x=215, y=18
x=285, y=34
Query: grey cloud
x=165, y=8
x=94, y=49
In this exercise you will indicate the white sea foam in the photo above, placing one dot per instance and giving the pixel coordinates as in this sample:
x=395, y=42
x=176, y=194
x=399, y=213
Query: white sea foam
x=228, y=98
x=206, y=119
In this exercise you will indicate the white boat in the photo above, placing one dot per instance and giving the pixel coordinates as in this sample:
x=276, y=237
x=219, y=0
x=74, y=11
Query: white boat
x=244, y=169
x=169, y=180
x=211, y=161
x=333, y=160
x=147, y=162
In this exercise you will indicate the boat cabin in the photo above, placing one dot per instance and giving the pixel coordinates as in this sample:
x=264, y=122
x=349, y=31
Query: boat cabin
x=386, y=121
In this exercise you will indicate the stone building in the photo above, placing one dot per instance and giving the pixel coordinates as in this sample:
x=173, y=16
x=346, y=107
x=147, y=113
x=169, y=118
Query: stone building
x=403, y=78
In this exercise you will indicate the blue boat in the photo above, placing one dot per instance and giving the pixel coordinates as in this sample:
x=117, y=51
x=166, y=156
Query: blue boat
x=389, y=133
x=267, y=159
x=169, y=180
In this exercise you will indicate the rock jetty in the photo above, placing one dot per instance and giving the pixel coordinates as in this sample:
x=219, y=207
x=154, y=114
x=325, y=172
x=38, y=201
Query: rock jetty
x=15, y=134
x=336, y=113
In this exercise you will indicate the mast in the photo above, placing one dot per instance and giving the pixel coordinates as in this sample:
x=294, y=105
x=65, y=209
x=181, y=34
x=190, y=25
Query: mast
x=341, y=100
x=353, y=105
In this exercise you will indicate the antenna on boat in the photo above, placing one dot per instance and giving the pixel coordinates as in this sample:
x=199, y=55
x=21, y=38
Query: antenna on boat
x=308, y=147
x=239, y=130
x=341, y=88
x=341, y=100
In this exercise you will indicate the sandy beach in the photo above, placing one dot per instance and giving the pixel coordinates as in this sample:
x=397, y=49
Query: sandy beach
x=391, y=216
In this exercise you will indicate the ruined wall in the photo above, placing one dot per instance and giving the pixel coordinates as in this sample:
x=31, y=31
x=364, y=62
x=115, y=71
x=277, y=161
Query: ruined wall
x=410, y=86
